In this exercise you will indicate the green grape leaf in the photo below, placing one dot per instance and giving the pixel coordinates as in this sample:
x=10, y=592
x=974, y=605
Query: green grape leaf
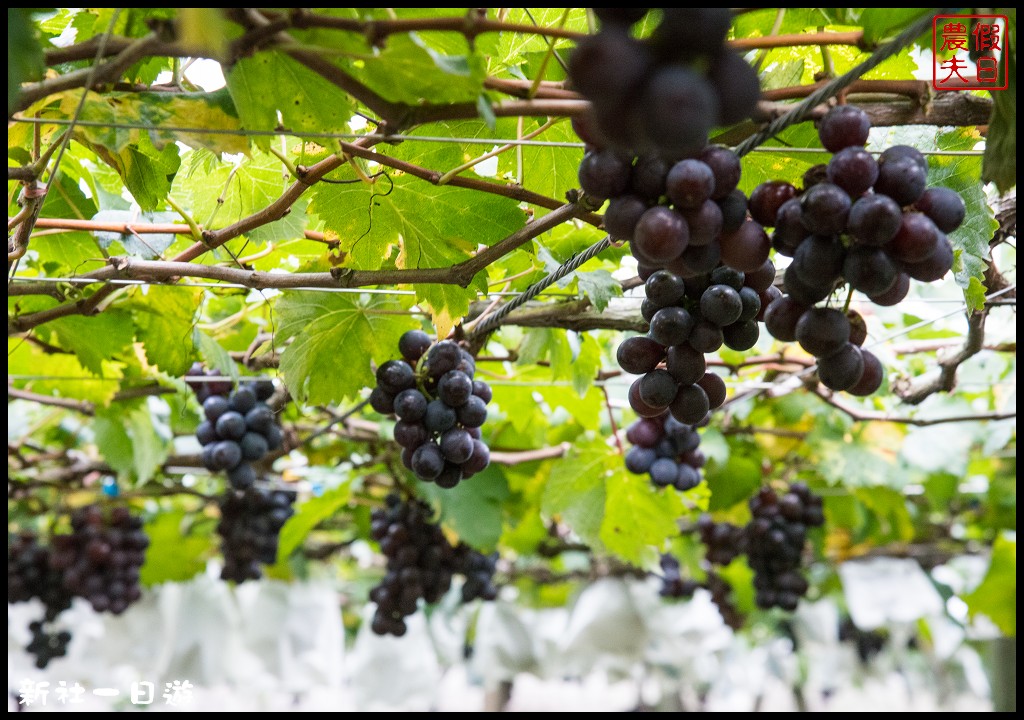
x=24, y=54
x=733, y=481
x=164, y=318
x=637, y=516
x=1000, y=160
x=410, y=71
x=996, y=596
x=310, y=514
x=336, y=336
x=599, y=286
x=268, y=83
x=417, y=225
x=129, y=443
x=473, y=509
x=95, y=340
x=971, y=239
x=60, y=374
x=575, y=491
x=174, y=554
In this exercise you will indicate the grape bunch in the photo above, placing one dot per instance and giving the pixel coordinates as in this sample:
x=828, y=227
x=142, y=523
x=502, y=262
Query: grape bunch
x=689, y=318
x=47, y=644
x=199, y=379
x=667, y=450
x=704, y=263
x=440, y=408
x=30, y=575
x=479, y=571
x=420, y=564
x=721, y=596
x=662, y=95
x=100, y=560
x=723, y=542
x=673, y=585
x=775, y=543
x=250, y=523
x=872, y=225
x=239, y=430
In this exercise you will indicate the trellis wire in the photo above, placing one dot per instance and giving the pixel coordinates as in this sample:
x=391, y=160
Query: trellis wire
x=240, y=286
x=388, y=292
x=805, y=106
x=798, y=113
x=402, y=138
x=494, y=320
x=903, y=331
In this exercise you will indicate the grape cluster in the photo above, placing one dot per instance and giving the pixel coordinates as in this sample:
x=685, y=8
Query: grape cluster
x=102, y=556
x=723, y=542
x=30, y=575
x=673, y=585
x=871, y=224
x=440, y=408
x=239, y=430
x=661, y=95
x=197, y=378
x=47, y=644
x=420, y=564
x=775, y=543
x=479, y=571
x=250, y=522
x=704, y=263
x=667, y=450
x=721, y=596
x=689, y=318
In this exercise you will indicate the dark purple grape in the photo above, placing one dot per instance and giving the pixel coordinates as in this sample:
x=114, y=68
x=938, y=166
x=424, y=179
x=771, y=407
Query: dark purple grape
x=842, y=369
x=853, y=169
x=605, y=174
x=822, y=331
x=639, y=354
x=705, y=223
x=916, y=239
x=767, y=198
x=721, y=304
x=734, y=211
x=410, y=405
x=679, y=110
x=725, y=165
x=737, y=86
x=902, y=179
x=869, y=270
x=439, y=417
x=689, y=184
x=413, y=344
x=844, y=126
x=664, y=288
x=741, y=335
x=747, y=248
x=661, y=236
x=874, y=220
x=657, y=389
x=473, y=414
x=714, y=387
x=944, y=207
x=871, y=378
x=622, y=214
x=825, y=209
x=427, y=461
x=671, y=326
x=455, y=388
x=394, y=376
x=690, y=405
